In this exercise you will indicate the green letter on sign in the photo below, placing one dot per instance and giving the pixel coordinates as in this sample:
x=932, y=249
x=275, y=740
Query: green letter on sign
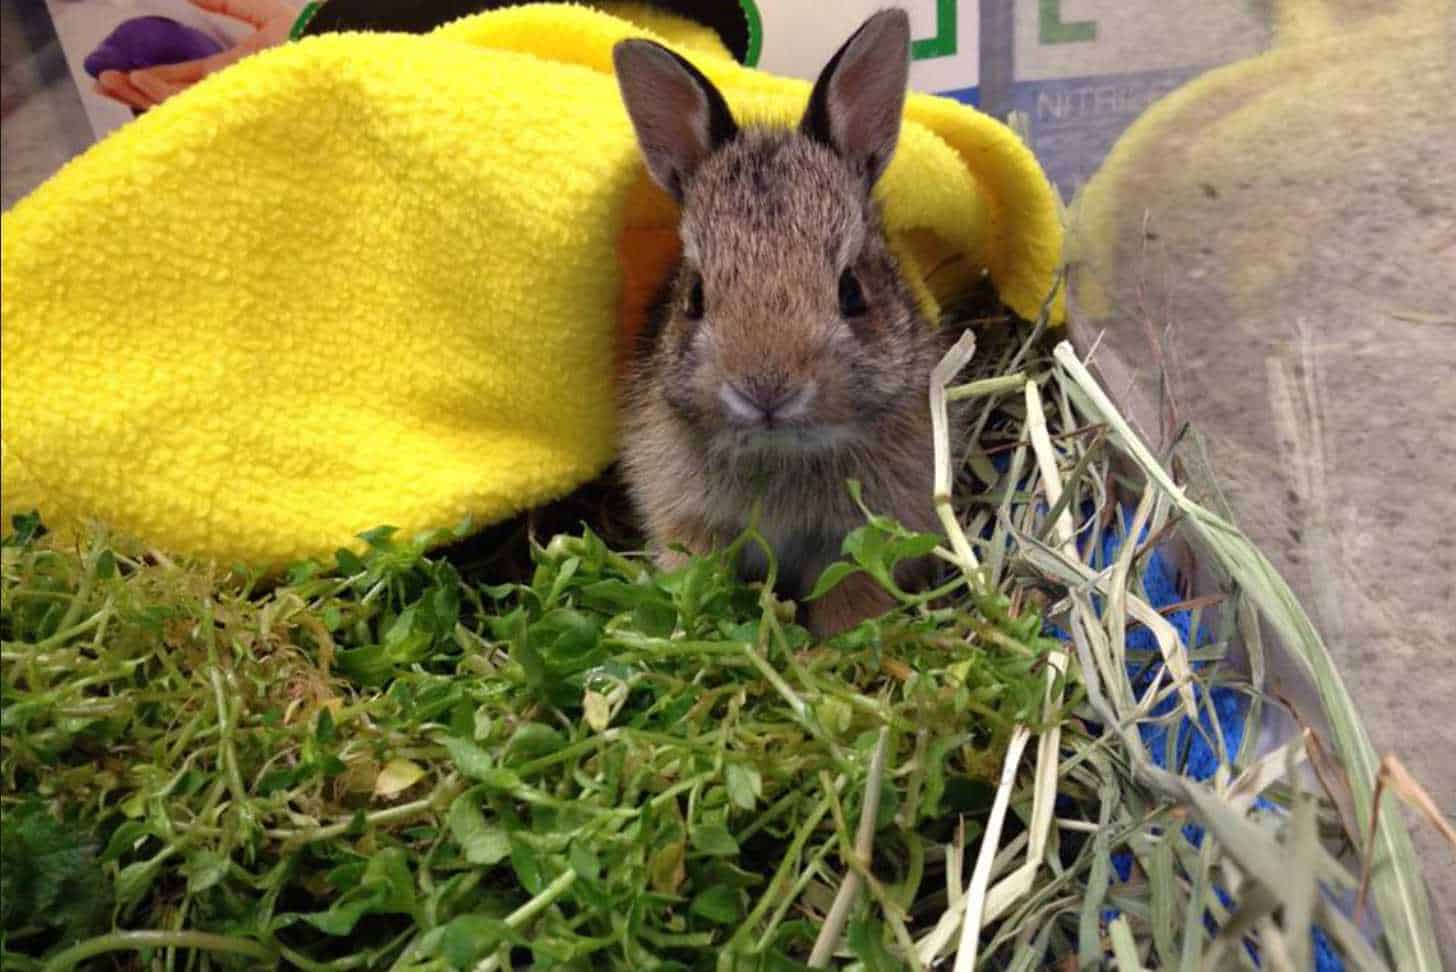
x=943, y=44
x=1053, y=31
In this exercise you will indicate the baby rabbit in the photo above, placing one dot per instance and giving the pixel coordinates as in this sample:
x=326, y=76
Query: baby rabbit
x=786, y=355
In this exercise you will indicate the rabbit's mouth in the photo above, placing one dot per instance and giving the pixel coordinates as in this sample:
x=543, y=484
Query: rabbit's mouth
x=785, y=439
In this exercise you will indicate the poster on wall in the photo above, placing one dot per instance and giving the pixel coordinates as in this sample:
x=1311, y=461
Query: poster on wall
x=1084, y=70
x=1079, y=72
x=797, y=38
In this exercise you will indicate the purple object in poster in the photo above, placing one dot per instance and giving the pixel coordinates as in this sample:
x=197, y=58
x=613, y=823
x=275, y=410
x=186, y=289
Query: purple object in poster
x=144, y=42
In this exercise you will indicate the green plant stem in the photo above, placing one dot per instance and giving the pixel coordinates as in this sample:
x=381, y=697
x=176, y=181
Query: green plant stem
x=377, y=818
x=779, y=807
x=226, y=752
x=131, y=941
x=67, y=633
x=864, y=840
x=83, y=592
x=999, y=385
x=796, y=704
x=309, y=965
x=401, y=812
x=785, y=866
x=816, y=860
x=528, y=911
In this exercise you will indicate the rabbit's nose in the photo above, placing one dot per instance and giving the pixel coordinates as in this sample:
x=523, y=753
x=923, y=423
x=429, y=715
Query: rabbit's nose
x=763, y=403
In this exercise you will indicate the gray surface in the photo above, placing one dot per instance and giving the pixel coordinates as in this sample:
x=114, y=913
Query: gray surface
x=42, y=123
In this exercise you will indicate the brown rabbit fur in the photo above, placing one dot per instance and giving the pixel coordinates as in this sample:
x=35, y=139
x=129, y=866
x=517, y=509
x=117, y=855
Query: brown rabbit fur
x=787, y=355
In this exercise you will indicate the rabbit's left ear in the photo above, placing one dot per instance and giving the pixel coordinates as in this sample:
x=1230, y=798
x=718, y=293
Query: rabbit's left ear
x=857, y=102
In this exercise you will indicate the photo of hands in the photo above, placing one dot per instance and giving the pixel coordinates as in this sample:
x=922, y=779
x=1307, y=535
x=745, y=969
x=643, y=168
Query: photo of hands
x=128, y=56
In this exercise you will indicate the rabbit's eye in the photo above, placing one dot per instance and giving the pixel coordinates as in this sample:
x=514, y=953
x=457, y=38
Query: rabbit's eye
x=693, y=306
x=851, y=295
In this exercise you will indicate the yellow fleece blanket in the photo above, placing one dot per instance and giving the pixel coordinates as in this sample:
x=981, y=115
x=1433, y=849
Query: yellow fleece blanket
x=372, y=279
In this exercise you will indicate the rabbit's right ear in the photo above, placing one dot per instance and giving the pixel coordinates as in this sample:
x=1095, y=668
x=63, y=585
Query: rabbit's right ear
x=679, y=116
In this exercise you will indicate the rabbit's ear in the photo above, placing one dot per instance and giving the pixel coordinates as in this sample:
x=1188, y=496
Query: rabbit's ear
x=857, y=102
x=679, y=116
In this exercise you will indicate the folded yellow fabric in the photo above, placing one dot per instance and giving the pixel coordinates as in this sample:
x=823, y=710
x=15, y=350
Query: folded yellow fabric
x=373, y=279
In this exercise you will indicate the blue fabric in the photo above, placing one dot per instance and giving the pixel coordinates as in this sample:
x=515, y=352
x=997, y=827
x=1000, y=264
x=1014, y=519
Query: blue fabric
x=1192, y=752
